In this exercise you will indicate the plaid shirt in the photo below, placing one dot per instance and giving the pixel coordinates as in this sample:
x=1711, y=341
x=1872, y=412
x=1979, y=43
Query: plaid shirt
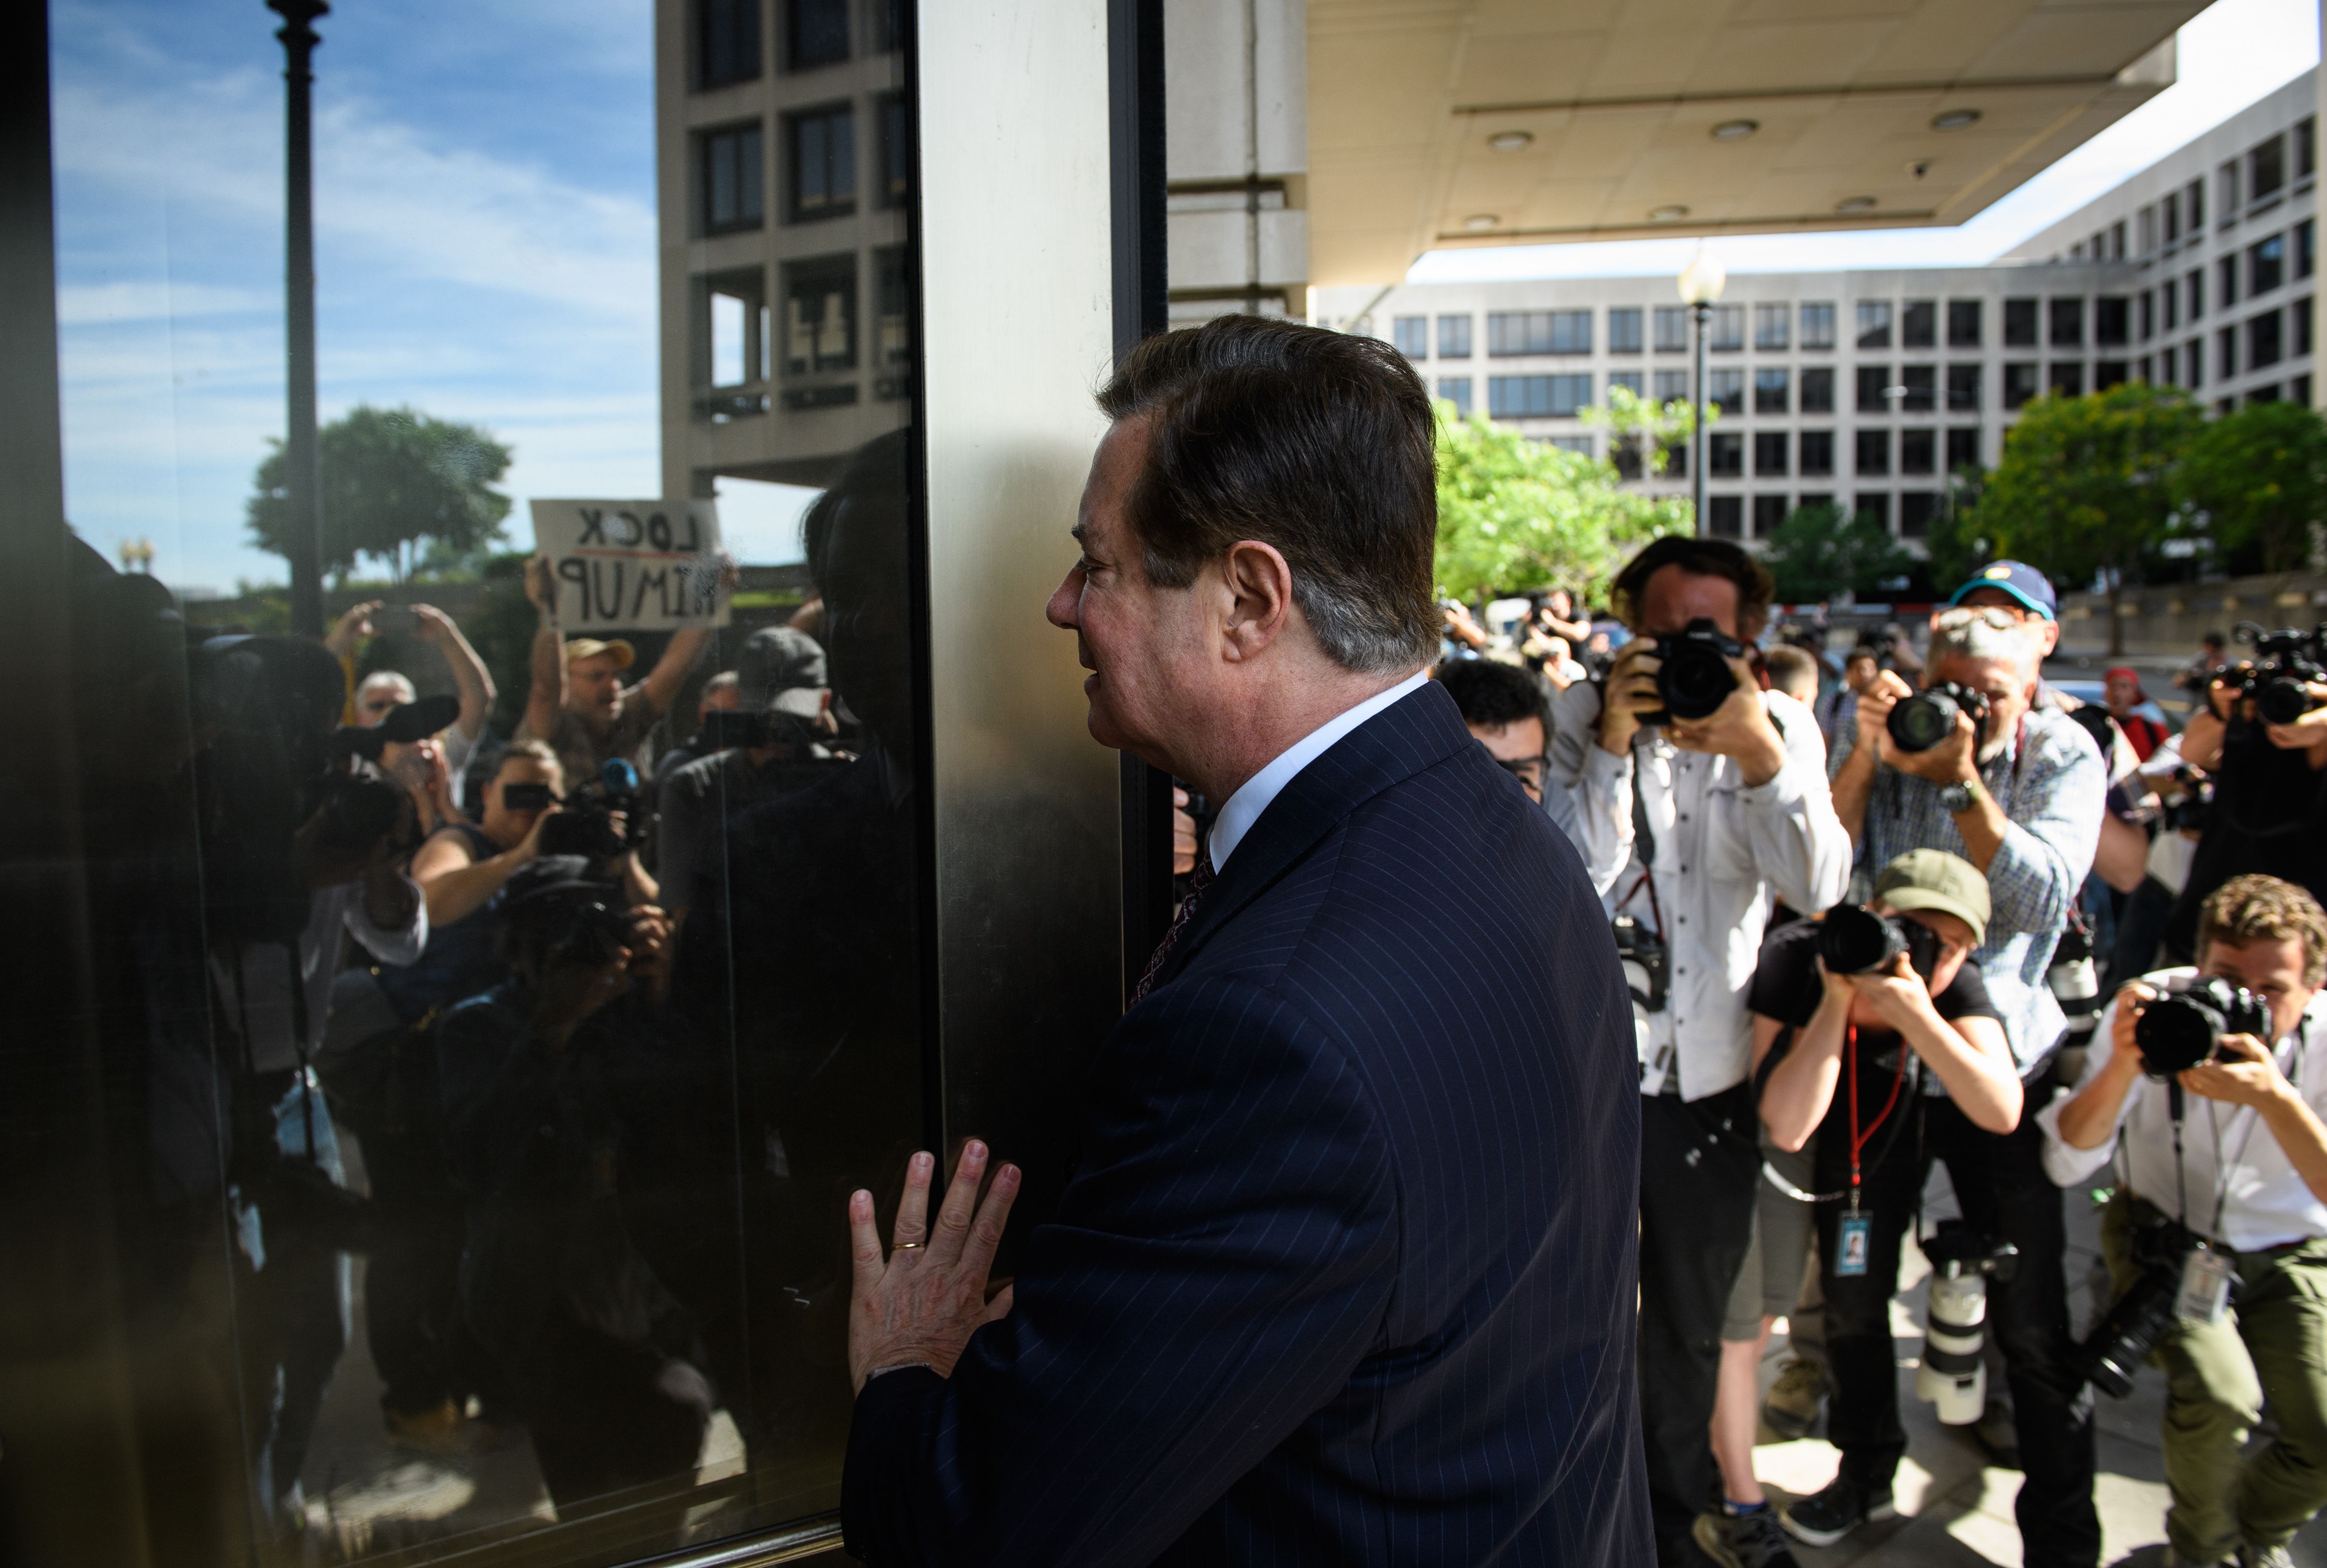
x=2052, y=786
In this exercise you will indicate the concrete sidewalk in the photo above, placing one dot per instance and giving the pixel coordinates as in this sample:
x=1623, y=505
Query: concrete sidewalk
x=1955, y=1507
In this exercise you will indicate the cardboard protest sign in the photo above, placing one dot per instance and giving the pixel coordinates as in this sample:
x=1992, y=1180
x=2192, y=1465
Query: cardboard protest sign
x=633, y=566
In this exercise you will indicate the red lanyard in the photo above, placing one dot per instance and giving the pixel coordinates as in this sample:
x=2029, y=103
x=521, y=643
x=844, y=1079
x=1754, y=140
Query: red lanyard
x=1859, y=1141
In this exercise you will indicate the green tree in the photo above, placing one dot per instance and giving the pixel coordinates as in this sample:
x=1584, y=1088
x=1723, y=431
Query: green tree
x=2260, y=475
x=2087, y=484
x=391, y=477
x=1955, y=545
x=1821, y=552
x=1516, y=514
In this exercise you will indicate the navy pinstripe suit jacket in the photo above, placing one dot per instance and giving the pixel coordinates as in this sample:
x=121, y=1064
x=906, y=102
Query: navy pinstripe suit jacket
x=1345, y=1272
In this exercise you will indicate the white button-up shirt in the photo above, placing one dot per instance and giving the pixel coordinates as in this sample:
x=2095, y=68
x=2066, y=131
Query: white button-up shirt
x=2230, y=1159
x=1722, y=848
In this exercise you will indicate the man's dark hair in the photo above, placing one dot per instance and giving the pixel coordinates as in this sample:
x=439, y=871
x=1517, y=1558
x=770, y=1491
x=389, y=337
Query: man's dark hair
x=2214, y=640
x=1489, y=693
x=1701, y=559
x=1317, y=442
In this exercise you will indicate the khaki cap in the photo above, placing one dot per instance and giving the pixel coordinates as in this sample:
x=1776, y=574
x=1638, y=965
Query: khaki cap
x=1933, y=878
x=591, y=648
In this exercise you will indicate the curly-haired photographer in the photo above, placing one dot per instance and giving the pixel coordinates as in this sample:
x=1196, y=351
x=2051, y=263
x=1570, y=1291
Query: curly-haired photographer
x=1696, y=797
x=2216, y=1238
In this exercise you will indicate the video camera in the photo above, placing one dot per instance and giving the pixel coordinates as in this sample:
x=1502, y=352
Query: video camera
x=587, y=825
x=1918, y=722
x=276, y=785
x=1852, y=939
x=2276, y=679
x=1693, y=674
x=2185, y=1027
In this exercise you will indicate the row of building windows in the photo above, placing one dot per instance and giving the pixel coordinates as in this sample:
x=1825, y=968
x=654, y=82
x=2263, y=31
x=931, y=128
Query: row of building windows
x=2060, y=321
x=819, y=166
x=2261, y=341
x=811, y=35
x=2259, y=175
x=811, y=328
x=1726, y=515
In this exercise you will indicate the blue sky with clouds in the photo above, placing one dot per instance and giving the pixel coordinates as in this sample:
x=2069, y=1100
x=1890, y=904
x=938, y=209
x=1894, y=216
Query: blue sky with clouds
x=485, y=240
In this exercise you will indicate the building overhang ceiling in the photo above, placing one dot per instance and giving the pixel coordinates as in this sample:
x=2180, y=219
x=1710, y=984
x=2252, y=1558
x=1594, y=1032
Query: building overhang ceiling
x=1448, y=122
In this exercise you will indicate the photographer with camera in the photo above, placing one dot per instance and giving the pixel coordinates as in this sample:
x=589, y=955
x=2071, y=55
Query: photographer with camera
x=2216, y=1239
x=1696, y=797
x=1852, y=1015
x=770, y=743
x=1972, y=765
x=2262, y=734
x=601, y=1360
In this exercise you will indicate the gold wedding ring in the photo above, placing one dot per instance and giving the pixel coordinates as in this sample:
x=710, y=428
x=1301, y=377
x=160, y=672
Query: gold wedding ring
x=907, y=1246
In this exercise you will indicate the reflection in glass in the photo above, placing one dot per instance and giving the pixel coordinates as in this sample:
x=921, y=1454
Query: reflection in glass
x=492, y=1017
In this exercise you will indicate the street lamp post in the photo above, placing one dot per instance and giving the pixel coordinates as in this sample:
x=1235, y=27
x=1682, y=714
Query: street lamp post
x=1701, y=282
x=301, y=473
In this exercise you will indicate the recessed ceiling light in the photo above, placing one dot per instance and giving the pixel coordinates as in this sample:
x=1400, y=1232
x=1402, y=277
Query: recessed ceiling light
x=1667, y=214
x=1954, y=119
x=1736, y=130
x=1481, y=221
x=1854, y=205
x=1511, y=141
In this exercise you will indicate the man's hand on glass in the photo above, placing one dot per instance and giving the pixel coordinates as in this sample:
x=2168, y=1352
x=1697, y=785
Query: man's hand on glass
x=1740, y=728
x=1631, y=691
x=920, y=1304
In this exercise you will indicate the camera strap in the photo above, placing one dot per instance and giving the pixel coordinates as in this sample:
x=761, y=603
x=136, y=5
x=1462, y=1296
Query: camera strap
x=1644, y=846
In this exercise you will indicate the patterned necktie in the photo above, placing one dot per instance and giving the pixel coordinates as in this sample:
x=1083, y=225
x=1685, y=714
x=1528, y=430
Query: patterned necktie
x=1196, y=886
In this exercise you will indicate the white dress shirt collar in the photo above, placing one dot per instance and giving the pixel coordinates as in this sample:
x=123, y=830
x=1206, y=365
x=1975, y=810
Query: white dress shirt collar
x=1252, y=798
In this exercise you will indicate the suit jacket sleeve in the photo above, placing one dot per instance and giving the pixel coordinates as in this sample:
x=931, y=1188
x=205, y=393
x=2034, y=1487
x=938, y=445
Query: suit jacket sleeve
x=1221, y=1263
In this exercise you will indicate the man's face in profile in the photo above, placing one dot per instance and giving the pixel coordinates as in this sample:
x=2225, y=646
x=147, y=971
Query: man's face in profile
x=1143, y=645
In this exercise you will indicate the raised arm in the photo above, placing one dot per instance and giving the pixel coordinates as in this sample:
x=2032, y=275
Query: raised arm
x=469, y=677
x=1853, y=772
x=547, y=696
x=1794, y=1100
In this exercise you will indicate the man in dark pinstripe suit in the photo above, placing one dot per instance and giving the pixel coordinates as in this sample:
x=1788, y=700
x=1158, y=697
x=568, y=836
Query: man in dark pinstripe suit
x=1345, y=1272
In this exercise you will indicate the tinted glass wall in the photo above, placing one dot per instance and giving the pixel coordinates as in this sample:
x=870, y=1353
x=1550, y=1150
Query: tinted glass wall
x=446, y=1029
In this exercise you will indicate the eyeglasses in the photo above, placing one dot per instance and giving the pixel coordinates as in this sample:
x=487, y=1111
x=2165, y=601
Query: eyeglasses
x=1528, y=771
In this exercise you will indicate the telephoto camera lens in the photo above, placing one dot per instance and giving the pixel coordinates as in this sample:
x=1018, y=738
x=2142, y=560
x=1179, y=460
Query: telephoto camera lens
x=1953, y=1374
x=2115, y=1349
x=2180, y=1031
x=1852, y=939
x=1918, y=722
x=1693, y=674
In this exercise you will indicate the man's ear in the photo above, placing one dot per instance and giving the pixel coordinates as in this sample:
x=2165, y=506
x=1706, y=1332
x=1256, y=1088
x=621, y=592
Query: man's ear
x=1259, y=582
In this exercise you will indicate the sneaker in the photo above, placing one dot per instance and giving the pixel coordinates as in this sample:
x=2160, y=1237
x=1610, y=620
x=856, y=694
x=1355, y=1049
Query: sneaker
x=1743, y=1540
x=1791, y=1410
x=1835, y=1512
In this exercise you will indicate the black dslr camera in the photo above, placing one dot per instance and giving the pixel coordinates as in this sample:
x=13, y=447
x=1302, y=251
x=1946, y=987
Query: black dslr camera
x=2114, y=1351
x=587, y=827
x=1852, y=939
x=1918, y=722
x=2185, y=1027
x=2283, y=662
x=1647, y=961
x=1693, y=674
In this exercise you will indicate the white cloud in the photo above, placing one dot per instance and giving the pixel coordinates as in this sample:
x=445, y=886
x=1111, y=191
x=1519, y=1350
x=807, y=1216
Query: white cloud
x=88, y=304
x=2230, y=55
